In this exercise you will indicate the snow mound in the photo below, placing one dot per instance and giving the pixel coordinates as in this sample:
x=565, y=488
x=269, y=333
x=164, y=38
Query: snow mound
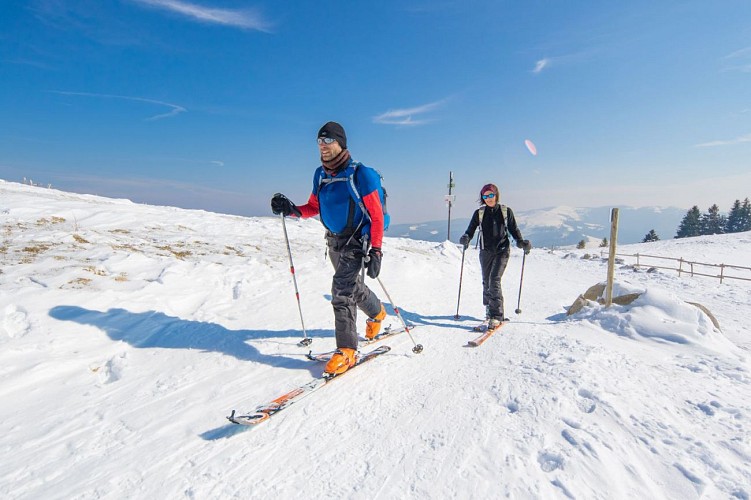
x=657, y=315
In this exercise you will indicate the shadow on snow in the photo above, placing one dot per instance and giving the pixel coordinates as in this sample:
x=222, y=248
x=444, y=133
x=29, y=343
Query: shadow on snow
x=157, y=330
x=413, y=318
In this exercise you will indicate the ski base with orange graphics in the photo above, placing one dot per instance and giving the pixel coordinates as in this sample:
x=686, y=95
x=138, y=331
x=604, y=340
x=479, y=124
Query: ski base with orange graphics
x=264, y=412
x=485, y=336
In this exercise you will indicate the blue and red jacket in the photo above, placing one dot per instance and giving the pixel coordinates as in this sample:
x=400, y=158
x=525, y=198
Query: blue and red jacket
x=340, y=212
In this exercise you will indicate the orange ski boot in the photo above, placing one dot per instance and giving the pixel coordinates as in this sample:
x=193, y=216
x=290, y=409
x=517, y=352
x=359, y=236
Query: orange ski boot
x=340, y=362
x=373, y=325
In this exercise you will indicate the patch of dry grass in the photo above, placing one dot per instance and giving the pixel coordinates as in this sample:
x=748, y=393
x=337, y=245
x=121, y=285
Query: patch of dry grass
x=94, y=270
x=180, y=254
x=127, y=247
x=36, y=249
x=77, y=283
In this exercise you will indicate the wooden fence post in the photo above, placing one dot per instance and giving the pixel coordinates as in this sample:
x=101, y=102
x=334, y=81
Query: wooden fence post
x=611, y=256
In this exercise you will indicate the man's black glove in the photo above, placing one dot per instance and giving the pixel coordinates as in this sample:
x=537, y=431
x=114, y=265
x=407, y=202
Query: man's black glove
x=374, y=262
x=464, y=241
x=280, y=204
x=525, y=245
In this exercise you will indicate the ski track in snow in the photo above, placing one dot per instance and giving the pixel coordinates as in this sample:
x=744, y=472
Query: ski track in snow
x=127, y=332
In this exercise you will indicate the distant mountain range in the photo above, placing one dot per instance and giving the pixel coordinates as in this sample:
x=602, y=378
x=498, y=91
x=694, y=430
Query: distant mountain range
x=562, y=226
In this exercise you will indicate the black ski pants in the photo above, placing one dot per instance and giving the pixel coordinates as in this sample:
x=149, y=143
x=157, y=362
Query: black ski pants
x=493, y=265
x=348, y=292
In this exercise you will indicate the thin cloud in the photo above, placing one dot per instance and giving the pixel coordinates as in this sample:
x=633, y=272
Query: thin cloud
x=737, y=140
x=29, y=62
x=541, y=65
x=217, y=163
x=740, y=60
x=745, y=52
x=574, y=58
x=405, y=116
x=245, y=19
x=174, y=108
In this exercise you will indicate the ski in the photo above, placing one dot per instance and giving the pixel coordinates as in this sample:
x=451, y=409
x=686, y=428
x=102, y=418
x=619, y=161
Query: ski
x=482, y=327
x=388, y=332
x=320, y=356
x=266, y=411
x=485, y=336
x=305, y=342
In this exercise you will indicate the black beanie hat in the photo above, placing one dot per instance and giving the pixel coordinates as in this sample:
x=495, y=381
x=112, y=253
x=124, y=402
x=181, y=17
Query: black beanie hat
x=335, y=131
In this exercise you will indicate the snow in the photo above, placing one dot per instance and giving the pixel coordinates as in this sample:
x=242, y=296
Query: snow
x=554, y=217
x=128, y=332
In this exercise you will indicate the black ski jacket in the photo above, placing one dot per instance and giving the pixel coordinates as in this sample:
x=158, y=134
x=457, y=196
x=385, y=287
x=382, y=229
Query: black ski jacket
x=494, y=231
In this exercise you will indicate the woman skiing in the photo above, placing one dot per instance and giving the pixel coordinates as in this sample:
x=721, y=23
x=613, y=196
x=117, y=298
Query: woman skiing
x=495, y=221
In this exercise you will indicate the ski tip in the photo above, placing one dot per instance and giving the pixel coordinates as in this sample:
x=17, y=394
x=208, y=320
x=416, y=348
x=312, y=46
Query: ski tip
x=252, y=419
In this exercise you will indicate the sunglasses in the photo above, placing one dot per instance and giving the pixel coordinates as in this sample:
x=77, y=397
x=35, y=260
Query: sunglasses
x=488, y=196
x=326, y=140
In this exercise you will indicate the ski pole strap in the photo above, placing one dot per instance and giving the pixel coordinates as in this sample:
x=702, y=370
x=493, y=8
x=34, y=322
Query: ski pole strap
x=365, y=259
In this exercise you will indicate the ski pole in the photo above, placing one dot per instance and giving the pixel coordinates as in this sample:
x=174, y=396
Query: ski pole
x=306, y=341
x=461, y=274
x=417, y=349
x=521, y=280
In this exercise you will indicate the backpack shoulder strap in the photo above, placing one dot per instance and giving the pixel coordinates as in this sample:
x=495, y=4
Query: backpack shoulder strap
x=480, y=213
x=352, y=185
x=352, y=181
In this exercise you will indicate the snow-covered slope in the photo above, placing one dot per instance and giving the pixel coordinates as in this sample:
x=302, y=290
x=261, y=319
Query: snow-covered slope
x=128, y=332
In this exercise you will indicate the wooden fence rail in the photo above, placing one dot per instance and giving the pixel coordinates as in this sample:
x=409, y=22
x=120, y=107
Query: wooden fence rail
x=689, y=267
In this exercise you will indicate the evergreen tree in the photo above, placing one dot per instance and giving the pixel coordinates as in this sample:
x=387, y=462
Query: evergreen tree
x=604, y=243
x=713, y=222
x=735, y=218
x=650, y=236
x=581, y=244
x=745, y=224
x=691, y=224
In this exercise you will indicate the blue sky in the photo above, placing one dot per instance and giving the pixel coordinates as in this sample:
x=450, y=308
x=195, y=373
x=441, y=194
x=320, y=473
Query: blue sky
x=216, y=104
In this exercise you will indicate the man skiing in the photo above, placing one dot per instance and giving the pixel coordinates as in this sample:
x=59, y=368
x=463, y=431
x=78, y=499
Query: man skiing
x=495, y=221
x=347, y=195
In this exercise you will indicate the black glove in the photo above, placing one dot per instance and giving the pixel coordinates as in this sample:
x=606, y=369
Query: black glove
x=374, y=262
x=525, y=245
x=280, y=204
x=464, y=241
